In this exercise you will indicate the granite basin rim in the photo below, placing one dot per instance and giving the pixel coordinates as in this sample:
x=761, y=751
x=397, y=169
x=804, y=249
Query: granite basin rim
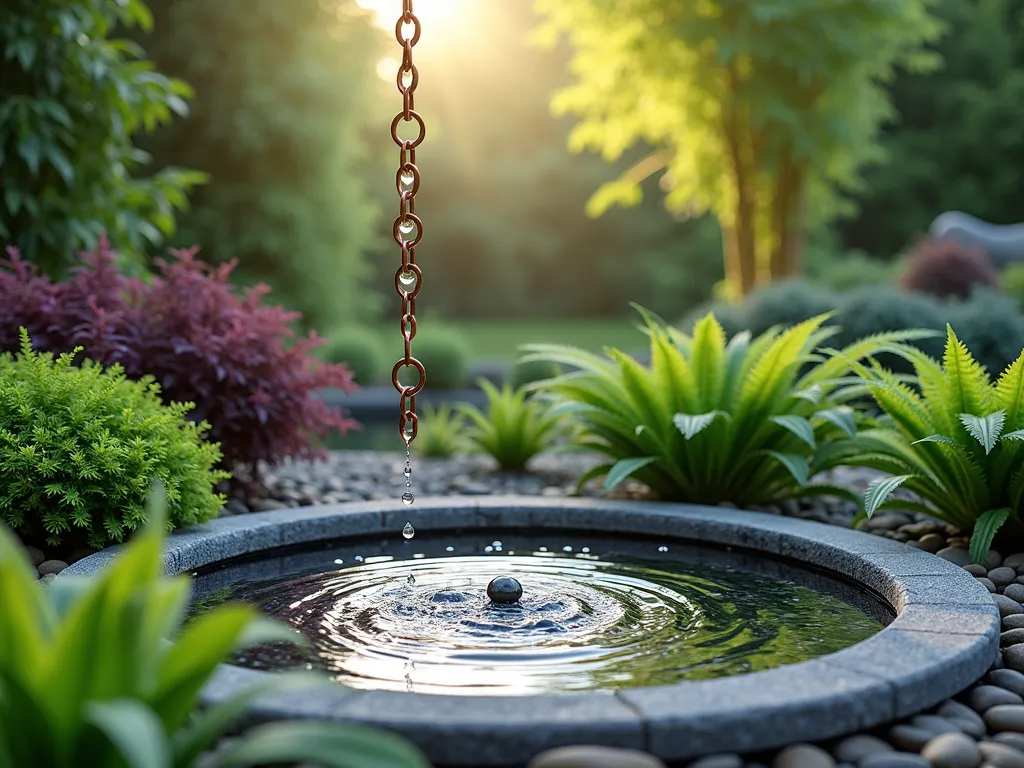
x=944, y=637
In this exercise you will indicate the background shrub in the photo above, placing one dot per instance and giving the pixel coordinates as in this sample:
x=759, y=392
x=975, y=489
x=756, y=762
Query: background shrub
x=1012, y=283
x=71, y=102
x=445, y=353
x=945, y=268
x=80, y=447
x=786, y=303
x=992, y=327
x=202, y=341
x=528, y=371
x=358, y=348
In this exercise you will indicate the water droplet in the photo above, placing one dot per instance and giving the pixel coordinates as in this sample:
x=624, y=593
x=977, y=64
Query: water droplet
x=407, y=279
x=585, y=550
x=339, y=561
x=359, y=558
x=411, y=581
x=408, y=499
x=567, y=548
x=408, y=472
x=663, y=548
x=408, y=532
x=406, y=226
x=449, y=549
x=407, y=179
x=542, y=549
x=496, y=544
x=488, y=549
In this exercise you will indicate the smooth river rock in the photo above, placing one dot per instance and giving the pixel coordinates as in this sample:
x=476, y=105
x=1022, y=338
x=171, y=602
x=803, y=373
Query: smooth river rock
x=910, y=737
x=853, y=749
x=803, y=756
x=1002, y=576
x=1006, y=717
x=894, y=760
x=1013, y=657
x=724, y=760
x=1007, y=607
x=967, y=719
x=1014, y=621
x=1015, y=592
x=1010, y=739
x=594, y=757
x=1011, y=637
x=955, y=555
x=984, y=697
x=48, y=567
x=1001, y=755
x=952, y=750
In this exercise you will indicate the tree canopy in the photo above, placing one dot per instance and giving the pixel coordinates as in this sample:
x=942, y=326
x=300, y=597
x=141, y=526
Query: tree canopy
x=763, y=112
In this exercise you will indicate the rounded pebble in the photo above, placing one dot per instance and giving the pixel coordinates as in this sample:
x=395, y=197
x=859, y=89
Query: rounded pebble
x=1014, y=592
x=1006, y=717
x=983, y=697
x=976, y=570
x=1007, y=607
x=932, y=542
x=35, y=556
x=724, y=760
x=853, y=749
x=1001, y=755
x=1015, y=560
x=894, y=760
x=955, y=555
x=910, y=737
x=1002, y=576
x=1013, y=657
x=1015, y=621
x=594, y=757
x=993, y=559
x=986, y=583
x=1009, y=679
x=1011, y=637
x=970, y=722
x=803, y=756
x=934, y=724
x=1010, y=739
x=48, y=567
x=952, y=750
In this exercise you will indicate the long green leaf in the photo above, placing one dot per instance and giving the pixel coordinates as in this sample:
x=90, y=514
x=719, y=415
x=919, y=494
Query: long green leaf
x=134, y=729
x=328, y=745
x=985, y=530
x=795, y=464
x=798, y=425
x=841, y=418
x=623, y=469
x=881, y=489
x=985, y=430
x=1017, y=434
x=690, y=425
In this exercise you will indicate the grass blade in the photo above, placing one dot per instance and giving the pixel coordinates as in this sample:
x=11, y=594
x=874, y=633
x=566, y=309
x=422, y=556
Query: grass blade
x=985, y=530
x=623, y=469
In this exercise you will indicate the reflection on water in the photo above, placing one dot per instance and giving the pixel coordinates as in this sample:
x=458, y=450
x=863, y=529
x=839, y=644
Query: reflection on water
x=624, y=614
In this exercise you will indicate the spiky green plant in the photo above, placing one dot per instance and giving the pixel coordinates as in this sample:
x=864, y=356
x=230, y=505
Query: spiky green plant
x=750, y=422
x=87, y=675
x=442, y=432
x=514, y=428
x=956, y=441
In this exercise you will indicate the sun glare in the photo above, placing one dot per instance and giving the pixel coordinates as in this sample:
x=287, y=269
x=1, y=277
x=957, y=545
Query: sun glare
x=439, y=16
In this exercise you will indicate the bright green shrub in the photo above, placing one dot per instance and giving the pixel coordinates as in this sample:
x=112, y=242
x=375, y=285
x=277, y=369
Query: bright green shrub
x=958, y=443
x=1011, y=282
x=441, y=433
x=360, y=349
x=992, y=327
x=749, y=422
x=445, y=354
x=80, y=446
x=87, y=677
x=514, y=428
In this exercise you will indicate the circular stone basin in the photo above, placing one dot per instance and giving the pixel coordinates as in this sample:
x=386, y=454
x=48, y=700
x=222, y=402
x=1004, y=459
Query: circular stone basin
x=944, y=636
x=598, y=614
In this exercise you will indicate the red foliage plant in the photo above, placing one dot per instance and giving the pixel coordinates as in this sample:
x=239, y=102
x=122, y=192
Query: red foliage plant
x=947, y=268
x=203, y=341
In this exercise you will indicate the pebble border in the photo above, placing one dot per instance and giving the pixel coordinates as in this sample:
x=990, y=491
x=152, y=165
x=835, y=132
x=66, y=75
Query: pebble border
x=945, y=637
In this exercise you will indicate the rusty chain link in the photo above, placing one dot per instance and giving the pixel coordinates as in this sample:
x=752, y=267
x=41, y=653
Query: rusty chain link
x=408, y=229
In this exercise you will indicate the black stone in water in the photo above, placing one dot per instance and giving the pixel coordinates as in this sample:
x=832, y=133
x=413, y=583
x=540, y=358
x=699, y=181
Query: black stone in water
x=504, y=589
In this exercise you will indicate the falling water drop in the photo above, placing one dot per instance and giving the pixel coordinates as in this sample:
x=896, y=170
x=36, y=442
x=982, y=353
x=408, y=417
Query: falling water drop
x=408, y=499
x=407, y=280
x=407, y=472
x=449, y=549
x=408, y=532
x=567, y=548
x=585, y=550
x=663, y=548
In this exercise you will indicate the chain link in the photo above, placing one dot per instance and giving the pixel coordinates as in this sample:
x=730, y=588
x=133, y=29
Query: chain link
x=408, y=229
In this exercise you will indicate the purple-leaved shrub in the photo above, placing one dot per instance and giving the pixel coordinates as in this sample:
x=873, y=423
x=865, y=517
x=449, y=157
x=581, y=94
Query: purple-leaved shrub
x=202, y=339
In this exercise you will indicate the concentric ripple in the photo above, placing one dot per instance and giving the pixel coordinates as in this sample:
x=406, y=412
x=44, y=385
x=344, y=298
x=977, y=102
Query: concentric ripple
x=584, y=622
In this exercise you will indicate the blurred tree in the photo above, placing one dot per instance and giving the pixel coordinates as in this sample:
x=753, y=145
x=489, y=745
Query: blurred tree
x=959, y=143
x=503, y=199
x=760, y=111
x=71, y=101
x=283, y=93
